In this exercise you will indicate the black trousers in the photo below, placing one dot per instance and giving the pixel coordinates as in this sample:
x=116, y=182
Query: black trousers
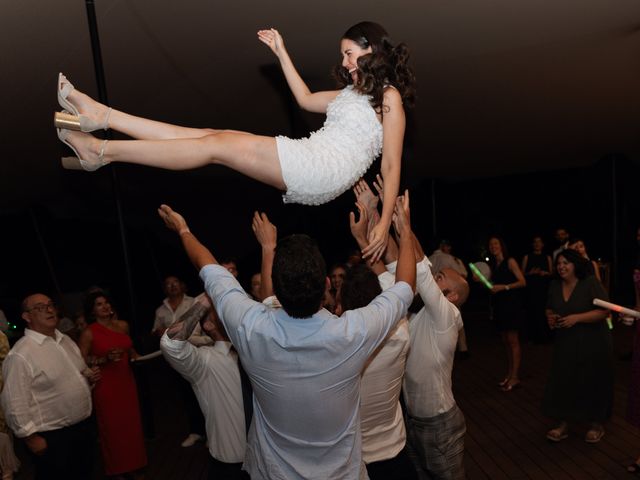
x=226, y=471
x=399, y=467
x=69, y=453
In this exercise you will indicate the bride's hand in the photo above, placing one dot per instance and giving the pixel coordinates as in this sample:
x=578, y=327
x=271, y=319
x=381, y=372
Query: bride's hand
x=272, y=39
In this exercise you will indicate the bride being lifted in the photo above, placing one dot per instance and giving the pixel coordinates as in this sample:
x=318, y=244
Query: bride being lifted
x=364, y=118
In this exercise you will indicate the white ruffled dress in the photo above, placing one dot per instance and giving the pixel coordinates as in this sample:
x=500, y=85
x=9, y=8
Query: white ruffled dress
x=319, y=168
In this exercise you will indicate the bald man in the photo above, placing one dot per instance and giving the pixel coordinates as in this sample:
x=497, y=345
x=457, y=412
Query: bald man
x=47, y=397
x=435, y=425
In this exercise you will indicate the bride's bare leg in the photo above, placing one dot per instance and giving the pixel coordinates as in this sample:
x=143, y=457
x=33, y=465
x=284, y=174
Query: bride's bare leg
x=136, y=127
x=252, y=155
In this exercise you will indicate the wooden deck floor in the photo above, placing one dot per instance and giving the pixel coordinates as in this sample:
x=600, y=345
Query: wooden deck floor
x=505, y=431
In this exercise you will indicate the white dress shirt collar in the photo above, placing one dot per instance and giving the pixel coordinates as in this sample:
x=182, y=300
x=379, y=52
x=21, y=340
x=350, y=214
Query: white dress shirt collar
x=40, y=338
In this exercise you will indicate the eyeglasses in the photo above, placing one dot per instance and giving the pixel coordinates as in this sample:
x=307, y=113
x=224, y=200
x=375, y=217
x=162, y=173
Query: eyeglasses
x=42, y=307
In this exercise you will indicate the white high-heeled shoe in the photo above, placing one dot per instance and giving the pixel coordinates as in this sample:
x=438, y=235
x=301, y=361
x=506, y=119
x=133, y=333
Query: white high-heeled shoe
x=70, y=118
x=77, y=163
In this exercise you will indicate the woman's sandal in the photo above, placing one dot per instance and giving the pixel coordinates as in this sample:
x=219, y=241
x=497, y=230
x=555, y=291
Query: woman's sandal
x=507, y=387
x=77, y=163
x=559, y=433
x=594, y=435
x=70, y=118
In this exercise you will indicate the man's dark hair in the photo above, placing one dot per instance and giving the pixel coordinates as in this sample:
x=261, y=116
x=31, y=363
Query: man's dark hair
x=360, y=286
x=299, y=275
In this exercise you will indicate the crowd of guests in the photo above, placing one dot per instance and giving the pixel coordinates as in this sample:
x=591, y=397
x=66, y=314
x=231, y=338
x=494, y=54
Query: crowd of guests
x=309, y=372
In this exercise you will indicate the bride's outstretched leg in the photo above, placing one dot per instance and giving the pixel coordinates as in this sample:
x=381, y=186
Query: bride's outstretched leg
x=252, y=155
x=136, y=127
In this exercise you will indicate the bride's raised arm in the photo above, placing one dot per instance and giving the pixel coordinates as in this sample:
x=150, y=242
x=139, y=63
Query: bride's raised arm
x=313, y=102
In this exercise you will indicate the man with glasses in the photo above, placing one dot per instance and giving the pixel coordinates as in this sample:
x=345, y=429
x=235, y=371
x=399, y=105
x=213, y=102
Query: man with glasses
x=47, y=397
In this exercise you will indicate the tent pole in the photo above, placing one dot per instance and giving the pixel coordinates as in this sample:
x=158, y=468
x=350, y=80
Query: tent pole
x=102, y=96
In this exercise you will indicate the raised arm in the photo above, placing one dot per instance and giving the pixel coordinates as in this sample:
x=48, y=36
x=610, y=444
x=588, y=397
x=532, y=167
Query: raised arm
x=267, y=235
x=406, y=270
x=359, y=232
x=393, y=125
x=197, y=253
x=369, y=200
x=313, y=102
x=391, y=252
x=184, y=326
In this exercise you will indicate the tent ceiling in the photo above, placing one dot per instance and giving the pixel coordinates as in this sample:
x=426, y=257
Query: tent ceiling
x=504, y=87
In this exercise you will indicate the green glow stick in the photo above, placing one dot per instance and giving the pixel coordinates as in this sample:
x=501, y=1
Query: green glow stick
x=479, y=274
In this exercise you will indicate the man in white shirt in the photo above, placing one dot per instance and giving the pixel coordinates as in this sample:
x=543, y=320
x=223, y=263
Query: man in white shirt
x=443, y=258
x=382, y=424
x=176, y=304
x=46, y=396
x=304, y=363
x=173, y=306
x=435, y=424
x=212, y=371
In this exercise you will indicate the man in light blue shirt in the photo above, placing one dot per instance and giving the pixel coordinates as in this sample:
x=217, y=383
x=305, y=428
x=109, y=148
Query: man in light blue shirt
x=304, y=363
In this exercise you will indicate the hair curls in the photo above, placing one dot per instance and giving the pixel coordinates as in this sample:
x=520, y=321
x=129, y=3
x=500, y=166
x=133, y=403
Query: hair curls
x=386, y=65
x=582, y=267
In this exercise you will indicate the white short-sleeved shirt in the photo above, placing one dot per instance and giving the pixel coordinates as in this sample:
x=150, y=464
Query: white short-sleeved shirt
x=44, y=388
x=433, y=334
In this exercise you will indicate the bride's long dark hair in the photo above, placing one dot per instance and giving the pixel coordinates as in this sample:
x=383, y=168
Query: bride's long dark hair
x=385, y=65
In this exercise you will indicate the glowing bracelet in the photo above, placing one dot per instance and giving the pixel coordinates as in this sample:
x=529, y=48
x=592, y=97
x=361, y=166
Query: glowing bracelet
x=479, y=274
x=616, y=308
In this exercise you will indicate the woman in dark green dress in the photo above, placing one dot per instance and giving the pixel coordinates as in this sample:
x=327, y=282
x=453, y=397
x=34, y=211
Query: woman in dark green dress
x=580, y=385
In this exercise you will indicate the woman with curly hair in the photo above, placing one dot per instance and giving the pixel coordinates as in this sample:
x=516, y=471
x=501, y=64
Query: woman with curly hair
x=365, y=118
x=580, y=384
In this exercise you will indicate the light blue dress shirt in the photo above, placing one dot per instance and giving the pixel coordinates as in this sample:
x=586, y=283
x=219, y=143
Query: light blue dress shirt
x=305, y=374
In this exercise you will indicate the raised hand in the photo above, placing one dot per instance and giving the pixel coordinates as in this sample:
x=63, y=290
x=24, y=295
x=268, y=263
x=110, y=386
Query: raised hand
x=272, y=39
x=378, y=238
x=359, y=227
x=378, y=185
x=266, y=232
x=402, y=215
x=173, y=220
x=366, y=197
